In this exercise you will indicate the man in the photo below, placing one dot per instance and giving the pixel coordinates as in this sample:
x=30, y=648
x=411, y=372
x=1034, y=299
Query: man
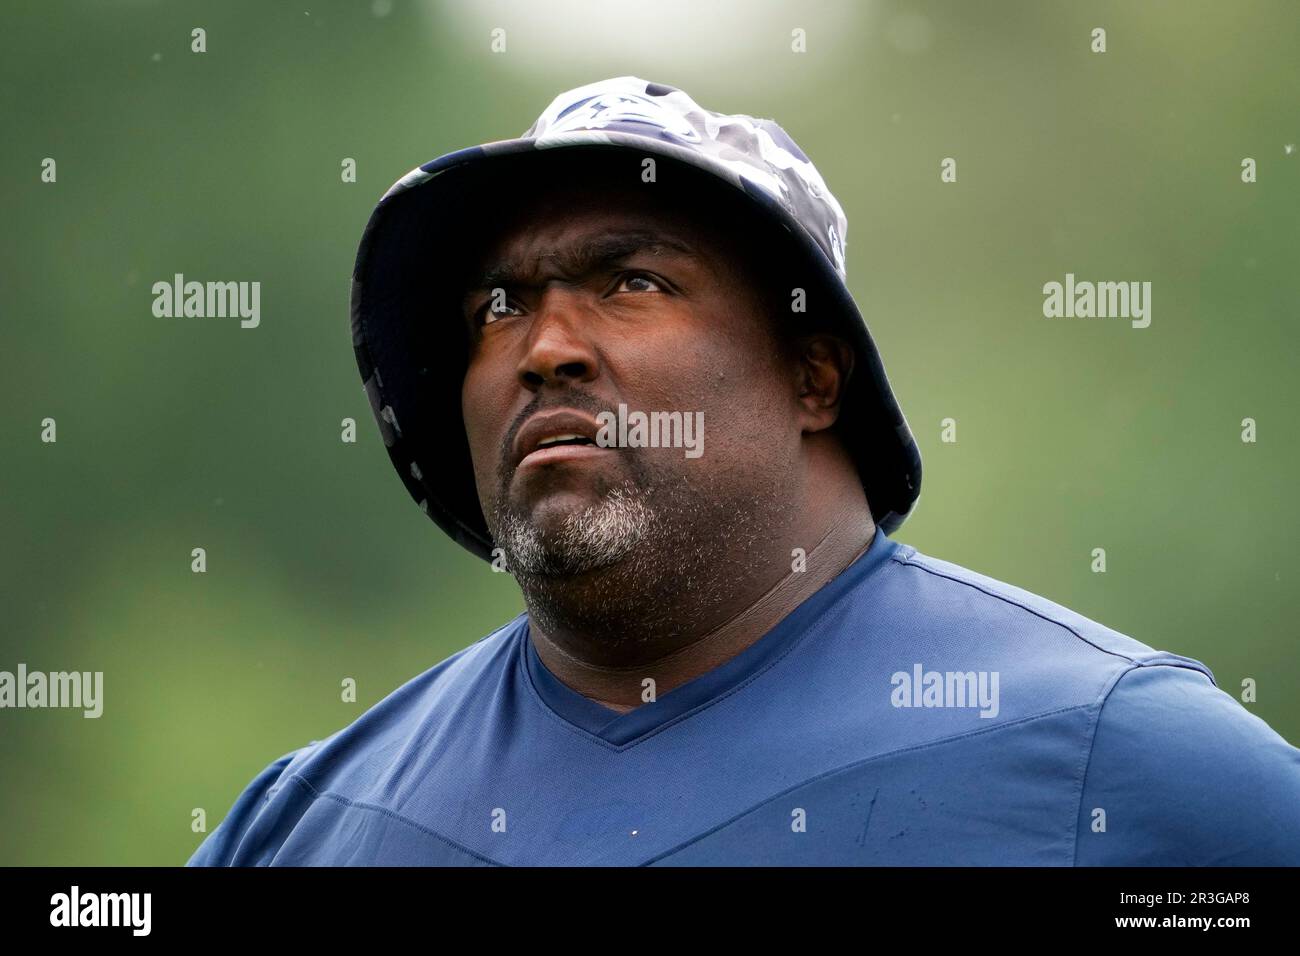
x=617, y=359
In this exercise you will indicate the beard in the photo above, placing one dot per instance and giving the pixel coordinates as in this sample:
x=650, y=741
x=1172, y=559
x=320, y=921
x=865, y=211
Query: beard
x=598, y=536
x=646, y=563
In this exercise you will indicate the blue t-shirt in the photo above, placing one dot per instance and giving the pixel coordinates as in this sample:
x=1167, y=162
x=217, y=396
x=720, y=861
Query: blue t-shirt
x=911, y=712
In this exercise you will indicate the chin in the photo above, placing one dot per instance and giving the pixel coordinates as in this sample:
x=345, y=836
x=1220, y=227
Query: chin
x=550, y=512
x=568, y=534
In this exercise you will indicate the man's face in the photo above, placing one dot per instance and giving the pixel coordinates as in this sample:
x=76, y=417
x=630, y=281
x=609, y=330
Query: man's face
x=595, y=298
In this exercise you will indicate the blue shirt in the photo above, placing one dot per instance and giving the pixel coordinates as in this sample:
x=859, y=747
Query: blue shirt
x=910, y=712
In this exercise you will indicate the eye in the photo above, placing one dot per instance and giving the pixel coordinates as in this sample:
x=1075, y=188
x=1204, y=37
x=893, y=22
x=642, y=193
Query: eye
x=638, y=282
x=495, y=309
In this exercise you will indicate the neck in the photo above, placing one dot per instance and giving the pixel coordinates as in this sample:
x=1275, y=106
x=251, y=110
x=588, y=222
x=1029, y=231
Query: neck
x=675, y=632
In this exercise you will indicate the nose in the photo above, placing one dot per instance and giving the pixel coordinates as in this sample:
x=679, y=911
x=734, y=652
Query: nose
x=558, y=349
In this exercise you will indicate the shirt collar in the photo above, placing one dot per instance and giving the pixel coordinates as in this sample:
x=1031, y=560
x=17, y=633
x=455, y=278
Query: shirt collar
x=623, y=729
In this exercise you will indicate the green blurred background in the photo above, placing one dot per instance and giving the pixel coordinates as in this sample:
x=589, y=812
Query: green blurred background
x=183, y=433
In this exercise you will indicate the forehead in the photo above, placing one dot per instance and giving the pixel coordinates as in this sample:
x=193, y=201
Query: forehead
x=535, y=216
x=570, y=215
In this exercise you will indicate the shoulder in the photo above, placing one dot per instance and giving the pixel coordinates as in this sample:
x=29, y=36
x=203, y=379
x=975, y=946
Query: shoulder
x=270, y=805
x=1181, y=773
x=946, y=590
x=467, y=678
x=221, y=846
x=1175, y=770
x=1048, y=657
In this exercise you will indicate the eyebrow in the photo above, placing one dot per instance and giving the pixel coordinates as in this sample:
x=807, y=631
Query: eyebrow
x=590, y=255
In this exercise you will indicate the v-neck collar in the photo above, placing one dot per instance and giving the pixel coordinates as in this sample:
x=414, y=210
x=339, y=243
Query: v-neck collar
x=623, y=729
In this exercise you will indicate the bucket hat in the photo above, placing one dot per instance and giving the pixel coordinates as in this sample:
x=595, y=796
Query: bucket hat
x=407, y=330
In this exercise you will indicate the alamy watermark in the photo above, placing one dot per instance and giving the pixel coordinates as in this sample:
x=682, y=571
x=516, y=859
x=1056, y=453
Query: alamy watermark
x=624, y=429
x=75, y=908
x=922, y=688
x=84, y=689
x=208, y=300
x=1101, y=300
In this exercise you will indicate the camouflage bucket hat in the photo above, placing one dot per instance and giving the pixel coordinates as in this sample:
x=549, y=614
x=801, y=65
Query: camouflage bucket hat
x=409, y=336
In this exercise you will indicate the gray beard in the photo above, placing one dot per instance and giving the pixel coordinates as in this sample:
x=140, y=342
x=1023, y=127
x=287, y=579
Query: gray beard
x=643, y=566
x=596, y=537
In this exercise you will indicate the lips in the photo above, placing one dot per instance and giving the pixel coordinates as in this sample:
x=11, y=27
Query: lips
x=554, y=429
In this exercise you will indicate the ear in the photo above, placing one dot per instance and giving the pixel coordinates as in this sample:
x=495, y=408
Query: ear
x=825, y=363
